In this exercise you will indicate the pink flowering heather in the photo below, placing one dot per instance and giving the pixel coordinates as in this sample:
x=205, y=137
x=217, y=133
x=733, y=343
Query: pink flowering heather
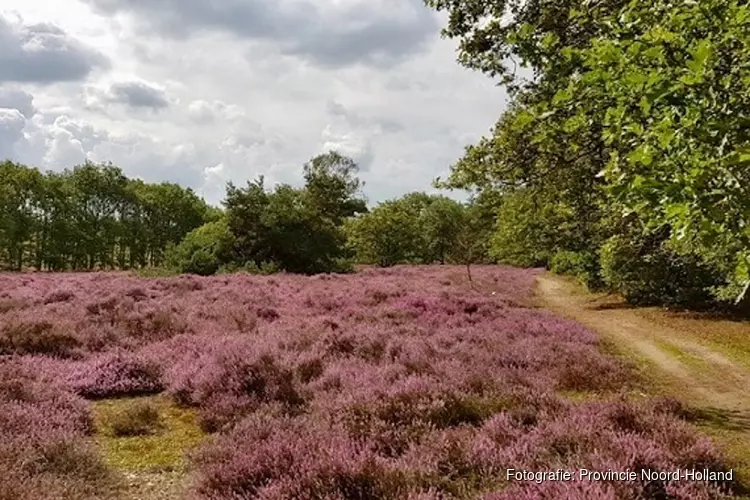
x=44, y=449
x=400, y=383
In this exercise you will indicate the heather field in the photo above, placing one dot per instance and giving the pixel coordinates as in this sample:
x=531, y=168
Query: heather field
x=402, y=383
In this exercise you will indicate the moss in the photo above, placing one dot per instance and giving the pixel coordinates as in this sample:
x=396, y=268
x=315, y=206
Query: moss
x=165, y=450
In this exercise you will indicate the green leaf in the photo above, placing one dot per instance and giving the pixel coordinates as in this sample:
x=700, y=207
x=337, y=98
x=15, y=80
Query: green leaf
x=700, y=53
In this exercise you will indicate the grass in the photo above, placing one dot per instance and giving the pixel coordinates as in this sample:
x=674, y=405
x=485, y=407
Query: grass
x=729, y=337
x=155, y=272
x=693, y=362
x=138, y=419
x=729, y=430
x=162, y=450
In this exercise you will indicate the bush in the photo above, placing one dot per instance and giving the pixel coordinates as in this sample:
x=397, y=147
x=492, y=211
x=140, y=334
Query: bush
x=59, y=296
x=231, y=382
x=582, y=265
x=138, y=419
x=116, y=374
x=156, y=272
x=202, y=263
x=646, y=271
x=203, y=251
x=37, y=337
x=264, y=268
x=45, y=451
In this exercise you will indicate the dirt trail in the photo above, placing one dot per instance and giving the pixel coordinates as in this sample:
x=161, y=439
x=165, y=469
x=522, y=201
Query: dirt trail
x=689, y=369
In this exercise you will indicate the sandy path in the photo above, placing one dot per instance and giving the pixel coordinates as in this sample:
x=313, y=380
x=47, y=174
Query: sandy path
x=691, y=370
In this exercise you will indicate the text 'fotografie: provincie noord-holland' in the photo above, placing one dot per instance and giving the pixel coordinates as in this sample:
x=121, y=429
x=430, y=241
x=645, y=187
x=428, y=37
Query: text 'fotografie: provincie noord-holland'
x=610, y=475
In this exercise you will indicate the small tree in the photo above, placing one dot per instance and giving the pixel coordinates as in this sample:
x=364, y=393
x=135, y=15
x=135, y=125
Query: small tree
x=470, y=246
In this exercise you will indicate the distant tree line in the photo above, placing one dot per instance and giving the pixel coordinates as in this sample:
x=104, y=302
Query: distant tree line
x=93, y=217
x=325, y=226
x=420, y=229
x=90, y=217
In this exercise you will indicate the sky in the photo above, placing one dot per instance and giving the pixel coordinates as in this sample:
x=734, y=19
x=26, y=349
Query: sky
x=202, y=92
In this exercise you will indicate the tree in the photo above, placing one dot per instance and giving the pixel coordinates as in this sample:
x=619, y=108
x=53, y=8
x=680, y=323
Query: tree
x=386, y=236
x=416, y=228
x=470, y=240
x=19, y=199
x=299, y=230
x=90, y=216
x=633, y=118
x=441, y=223
x=332, y=187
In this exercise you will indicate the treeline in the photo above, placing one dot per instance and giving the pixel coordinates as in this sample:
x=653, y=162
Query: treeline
x=90, y=217
x=420, y=229
x=625, y=158
x=325, y=226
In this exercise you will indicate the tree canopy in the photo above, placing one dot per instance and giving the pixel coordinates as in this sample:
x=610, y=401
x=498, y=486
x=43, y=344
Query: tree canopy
x=632, y=126
x=90, y=217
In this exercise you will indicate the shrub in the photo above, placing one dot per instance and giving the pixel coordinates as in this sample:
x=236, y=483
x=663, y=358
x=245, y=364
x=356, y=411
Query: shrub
x=264, y=268
x=646, y=271
x=203, y=251
x=10, y=304
x=44, y=448
x=280, y=458
x=332, y=400
x=37, y=336
x=230, y=383
x=268, y=313
x=59, y=296
x=309, y=370
x=137, y=419
x=153, y=325
x=582, y=265
x=116, y=374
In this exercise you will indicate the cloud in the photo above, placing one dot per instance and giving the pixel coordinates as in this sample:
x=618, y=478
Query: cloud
x=139, y=95
x=64, y=149
x=244, y=105
x=134, y=94
x=358, y=147
x=204, y=112
x=12, y=123
x=43, y=53
x=330, y=33
x=351, y=118
x=17, y=99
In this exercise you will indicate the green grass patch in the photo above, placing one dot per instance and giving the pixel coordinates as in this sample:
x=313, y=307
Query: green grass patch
x=689, y=359
x=155, y=272
x=162, y=448
x=734, y=348
x=581, y=396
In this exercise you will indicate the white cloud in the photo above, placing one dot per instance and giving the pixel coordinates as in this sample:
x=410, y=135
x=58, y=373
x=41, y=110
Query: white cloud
x=12, y=123
x=63, y=148
x=208, y=96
